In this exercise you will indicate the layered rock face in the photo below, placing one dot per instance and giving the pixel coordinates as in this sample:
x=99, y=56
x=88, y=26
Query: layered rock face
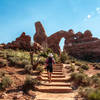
x=40, y=35
x=80, y=45
x=22, y=42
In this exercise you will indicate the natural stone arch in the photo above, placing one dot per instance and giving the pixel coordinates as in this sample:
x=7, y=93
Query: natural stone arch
x=54, y=40
x=61, y=44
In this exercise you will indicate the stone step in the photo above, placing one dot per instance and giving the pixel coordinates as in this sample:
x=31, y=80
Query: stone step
x=53, y=76
x=55, y=73
x=58, y=64
x=55, y=84
x=58, y=98
x=53, y=89
x=55, y=79
x=57, y=70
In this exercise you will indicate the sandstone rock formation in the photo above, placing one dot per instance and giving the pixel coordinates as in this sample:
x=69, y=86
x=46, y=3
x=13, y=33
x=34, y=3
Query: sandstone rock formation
x=22, y=42
x=40, y=35
x=80, y=45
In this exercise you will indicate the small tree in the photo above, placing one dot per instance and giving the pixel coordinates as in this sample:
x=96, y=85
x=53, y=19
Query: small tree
x=63, y=57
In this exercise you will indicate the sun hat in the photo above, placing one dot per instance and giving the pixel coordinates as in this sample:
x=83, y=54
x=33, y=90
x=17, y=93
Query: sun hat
x=50, y=55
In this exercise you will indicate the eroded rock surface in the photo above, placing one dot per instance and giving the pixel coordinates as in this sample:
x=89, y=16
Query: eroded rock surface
x=22, y=42
x=80, y=45
x=40, y=35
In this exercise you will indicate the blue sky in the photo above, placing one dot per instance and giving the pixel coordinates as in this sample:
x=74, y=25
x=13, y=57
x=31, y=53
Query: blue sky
x=17, y=16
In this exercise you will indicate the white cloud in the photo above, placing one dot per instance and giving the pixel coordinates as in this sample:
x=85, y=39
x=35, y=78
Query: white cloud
x=98, y=10
x=89, y=16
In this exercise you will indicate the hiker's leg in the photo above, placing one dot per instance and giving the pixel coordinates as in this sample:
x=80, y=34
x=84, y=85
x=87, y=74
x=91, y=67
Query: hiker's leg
x=50, y=76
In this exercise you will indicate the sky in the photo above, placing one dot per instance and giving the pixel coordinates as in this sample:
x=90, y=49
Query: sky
x=17, y=16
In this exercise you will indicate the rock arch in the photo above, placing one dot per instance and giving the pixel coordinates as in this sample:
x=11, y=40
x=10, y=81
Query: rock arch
x=77, y=45
x=53, y=40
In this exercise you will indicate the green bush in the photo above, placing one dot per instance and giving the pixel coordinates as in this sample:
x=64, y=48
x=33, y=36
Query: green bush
x=2, y=73
x=80, y=79
x=25, y=62
x=6, y=82
x=63, y=57
x=97, y=66
x=95, y=80
x=85, y=67
x=44, y=54
x=78, y=64
x=56, y=57
x=98, y=74
x=28, y=69
x=49, y=50
x=40, y=69
x=72, y=68
x=3, y=63
x=72, y=61
x=42, y=60
x=67, y=62
x=81, y=70
x=90, y=94
x=94, y=95
x=30, y=83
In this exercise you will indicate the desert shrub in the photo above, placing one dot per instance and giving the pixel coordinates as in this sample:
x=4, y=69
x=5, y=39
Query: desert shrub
x=94, y=95
x=28, y=69
x=29, y=83
x=12, y=60
x=85, y=66
x=90, y=94
x=44, y=54
x=72, y=68
x=1, y=55
x=25, y=62
x=56, y=58
x=49, y=50
x=3, y=63
x=98, y=74
x=2, y=73
x=16, y=61
x=35, y=59
x=6, y=82
x=78, y=64
x=72, y=61
x=95, y=80
x=81, y=70
x=80, y=79
x=97, y=66
x=40, y=69
x=67, y=62
x=63, y=57
x=42, y=60
x=5, y=55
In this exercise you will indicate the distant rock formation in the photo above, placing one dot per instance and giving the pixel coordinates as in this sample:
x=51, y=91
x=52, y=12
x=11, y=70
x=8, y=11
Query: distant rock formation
x=22, y=42
x=40, y=35
x=80, y=45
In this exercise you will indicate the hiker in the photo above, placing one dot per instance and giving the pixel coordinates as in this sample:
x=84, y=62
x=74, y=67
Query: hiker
x=49, y=65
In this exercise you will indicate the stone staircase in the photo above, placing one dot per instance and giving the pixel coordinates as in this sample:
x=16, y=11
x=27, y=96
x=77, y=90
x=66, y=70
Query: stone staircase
x=58, y=83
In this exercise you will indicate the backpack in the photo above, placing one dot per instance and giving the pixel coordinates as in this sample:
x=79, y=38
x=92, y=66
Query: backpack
x=49, y=61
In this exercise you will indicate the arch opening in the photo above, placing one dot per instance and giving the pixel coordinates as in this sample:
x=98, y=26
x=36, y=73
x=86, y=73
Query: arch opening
x=61, y=44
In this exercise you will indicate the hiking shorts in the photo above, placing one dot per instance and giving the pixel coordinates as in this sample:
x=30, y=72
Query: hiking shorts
x=49, y=69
